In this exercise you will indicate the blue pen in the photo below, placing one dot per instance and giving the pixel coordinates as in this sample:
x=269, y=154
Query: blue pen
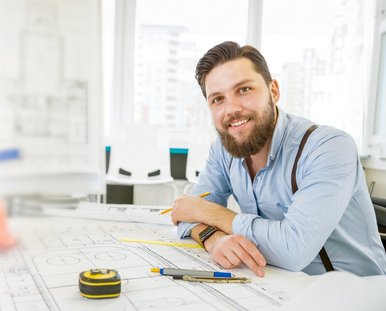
x=182, y=272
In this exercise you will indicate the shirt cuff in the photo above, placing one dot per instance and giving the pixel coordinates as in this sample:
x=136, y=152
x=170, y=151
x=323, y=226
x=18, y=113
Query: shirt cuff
x=243, y=224
x=184, y=229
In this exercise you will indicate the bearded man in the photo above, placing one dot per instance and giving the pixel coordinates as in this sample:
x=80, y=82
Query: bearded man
x=300, y=187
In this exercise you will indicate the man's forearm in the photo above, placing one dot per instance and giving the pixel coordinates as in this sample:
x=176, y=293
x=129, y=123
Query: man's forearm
x=218, y=216
x=195, y=210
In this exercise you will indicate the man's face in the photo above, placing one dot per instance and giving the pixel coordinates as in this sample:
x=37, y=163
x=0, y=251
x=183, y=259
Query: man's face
x=242, y=106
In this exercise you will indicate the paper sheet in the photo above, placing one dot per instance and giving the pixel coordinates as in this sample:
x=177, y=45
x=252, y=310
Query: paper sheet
x=117, y=212
x=341, y=291
x=42, y=272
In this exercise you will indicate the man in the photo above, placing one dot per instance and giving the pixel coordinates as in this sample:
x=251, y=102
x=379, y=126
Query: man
x=328, y=207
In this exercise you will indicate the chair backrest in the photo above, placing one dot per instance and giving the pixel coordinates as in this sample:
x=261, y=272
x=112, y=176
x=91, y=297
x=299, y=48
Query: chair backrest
x=139, y=154
x=200, y=141
x=380, y=213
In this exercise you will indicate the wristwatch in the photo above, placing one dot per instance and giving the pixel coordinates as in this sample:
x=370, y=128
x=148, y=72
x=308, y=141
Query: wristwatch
x=206, y=234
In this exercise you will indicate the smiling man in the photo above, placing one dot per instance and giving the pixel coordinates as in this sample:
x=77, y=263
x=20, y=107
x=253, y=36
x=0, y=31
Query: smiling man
x=300, y=187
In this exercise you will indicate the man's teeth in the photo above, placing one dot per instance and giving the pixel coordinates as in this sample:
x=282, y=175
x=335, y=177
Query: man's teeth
x=238, y=123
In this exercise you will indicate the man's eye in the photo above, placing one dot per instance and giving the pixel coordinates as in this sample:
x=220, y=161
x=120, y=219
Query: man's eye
x=245, y=89
x=217, y=100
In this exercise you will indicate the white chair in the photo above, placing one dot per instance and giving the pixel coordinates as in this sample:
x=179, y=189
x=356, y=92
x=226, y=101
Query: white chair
x=140, y=156
x=200, y=140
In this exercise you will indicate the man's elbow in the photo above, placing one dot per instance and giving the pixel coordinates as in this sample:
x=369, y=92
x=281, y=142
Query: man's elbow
x=294, y=260
x=294, y=265
x=184, y=229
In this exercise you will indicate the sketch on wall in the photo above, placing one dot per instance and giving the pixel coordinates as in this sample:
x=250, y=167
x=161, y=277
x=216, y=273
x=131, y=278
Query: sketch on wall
x=49, y=86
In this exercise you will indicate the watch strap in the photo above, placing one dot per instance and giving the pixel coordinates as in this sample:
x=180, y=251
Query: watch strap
x=206, y=234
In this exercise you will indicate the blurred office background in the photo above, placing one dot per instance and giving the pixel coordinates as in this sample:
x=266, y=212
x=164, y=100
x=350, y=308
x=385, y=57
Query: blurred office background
x=322, y=53
x=94, y=66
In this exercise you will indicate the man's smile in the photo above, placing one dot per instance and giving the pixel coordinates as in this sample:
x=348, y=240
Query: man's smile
x=237, y=123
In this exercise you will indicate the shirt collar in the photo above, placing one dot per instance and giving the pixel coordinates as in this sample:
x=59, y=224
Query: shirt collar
x=278, y=134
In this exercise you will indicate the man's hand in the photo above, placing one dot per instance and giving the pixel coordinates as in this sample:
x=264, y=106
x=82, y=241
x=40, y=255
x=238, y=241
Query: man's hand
x=230, y=251
x=188, y=209
x=194, y=209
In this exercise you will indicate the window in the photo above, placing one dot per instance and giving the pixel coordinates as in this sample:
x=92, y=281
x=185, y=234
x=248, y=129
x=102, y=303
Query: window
x=379, y=128
x=169, y=40
x=376, y=128
x=316, y=50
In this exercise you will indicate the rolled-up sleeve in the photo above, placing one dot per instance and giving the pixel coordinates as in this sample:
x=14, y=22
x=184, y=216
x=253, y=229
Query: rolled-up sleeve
x=212, y=179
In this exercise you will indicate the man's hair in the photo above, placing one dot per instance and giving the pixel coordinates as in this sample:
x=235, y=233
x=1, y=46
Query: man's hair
x=228, y=51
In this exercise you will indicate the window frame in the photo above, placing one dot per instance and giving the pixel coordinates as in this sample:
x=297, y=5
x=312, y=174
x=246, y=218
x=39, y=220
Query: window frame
x=375, y=145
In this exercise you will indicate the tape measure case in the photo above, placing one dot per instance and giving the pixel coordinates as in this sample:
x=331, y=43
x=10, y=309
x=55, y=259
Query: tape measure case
x=100, y=283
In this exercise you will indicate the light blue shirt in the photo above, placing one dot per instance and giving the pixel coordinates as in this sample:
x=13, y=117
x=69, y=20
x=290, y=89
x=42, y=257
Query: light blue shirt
x=331, y=208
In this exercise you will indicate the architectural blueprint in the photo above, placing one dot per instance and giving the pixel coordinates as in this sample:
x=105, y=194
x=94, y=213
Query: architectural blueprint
x=41, y=273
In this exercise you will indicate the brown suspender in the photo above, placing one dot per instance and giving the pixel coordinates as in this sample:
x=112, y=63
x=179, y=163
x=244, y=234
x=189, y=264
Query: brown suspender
x=323, y=254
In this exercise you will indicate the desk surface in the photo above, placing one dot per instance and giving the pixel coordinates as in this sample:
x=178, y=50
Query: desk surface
x=41, y=273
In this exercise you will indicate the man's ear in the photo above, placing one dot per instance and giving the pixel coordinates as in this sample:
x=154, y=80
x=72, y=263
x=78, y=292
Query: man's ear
x=275, y=91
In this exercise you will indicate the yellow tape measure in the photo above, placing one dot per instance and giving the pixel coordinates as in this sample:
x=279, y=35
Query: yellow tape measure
x=175, y=244
x=100, y=283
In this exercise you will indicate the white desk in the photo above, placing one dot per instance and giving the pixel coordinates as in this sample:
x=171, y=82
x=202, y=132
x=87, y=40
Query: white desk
x=42, y=272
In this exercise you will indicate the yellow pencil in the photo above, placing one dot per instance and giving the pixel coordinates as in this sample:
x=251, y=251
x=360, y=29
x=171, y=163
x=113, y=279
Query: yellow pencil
x=169, y=209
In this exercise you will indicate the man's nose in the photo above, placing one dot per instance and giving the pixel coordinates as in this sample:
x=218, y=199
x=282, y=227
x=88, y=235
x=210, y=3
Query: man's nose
x=233, y=105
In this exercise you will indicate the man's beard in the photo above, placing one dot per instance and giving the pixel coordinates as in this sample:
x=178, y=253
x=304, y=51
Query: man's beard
x=260, y=135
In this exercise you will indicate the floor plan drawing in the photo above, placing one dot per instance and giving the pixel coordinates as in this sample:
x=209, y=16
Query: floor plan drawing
x=42, y=272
